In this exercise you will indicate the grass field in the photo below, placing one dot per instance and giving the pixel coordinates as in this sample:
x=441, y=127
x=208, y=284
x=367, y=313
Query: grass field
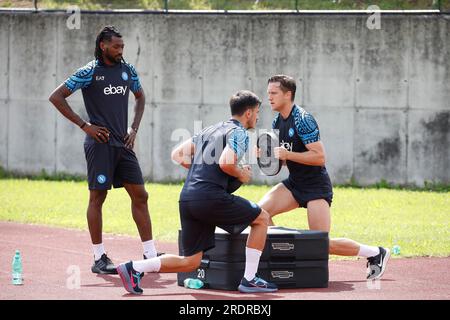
x=230, y=4
x=418, y=221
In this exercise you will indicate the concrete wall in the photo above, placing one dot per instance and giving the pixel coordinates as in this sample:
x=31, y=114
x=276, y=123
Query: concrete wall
x=381, y=97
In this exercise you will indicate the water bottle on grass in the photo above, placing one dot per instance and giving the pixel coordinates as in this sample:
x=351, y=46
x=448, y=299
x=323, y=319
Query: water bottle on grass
x=396, y=250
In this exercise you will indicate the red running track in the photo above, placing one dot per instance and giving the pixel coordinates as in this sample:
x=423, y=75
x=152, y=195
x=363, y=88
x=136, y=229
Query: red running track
x=52, y=256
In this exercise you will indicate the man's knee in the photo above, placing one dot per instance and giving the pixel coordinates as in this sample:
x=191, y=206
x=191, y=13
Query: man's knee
x=319, y=215
x=262, y=219
x=97, y=197
x=191, y=263
x=140, y=198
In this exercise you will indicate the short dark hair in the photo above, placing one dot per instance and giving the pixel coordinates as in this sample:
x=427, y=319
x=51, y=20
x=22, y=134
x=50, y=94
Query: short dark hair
x=286, y=83
x=105, y=34
x=243, y=100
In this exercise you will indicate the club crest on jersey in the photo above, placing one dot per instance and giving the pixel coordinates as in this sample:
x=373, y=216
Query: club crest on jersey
x=291, y=132
x=124, y=76
x=101, y=179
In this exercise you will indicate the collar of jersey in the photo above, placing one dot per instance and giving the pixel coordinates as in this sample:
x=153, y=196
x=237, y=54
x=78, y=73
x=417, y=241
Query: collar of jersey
x=237, y=122
x=290, y=113
x=101, y=64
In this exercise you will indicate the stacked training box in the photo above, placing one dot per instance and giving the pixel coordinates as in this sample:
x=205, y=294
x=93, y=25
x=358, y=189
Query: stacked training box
x=291, y=259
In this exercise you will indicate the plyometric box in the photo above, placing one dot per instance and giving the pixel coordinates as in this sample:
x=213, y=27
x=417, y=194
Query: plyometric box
x=291, y=259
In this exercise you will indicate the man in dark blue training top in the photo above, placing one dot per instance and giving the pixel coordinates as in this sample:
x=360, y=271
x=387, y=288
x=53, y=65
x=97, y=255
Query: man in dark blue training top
x=212, y=157
x=106, y=83
x=308, y=184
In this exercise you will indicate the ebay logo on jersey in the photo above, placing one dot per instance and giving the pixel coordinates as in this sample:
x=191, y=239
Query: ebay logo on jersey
x=115, y=90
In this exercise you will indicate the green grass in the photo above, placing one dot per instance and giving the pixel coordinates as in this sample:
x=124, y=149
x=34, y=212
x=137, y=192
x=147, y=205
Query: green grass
x=418, y=221
x=228, y=4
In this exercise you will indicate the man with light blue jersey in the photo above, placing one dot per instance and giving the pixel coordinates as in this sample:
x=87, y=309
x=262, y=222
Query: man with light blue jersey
x=105, y=84
x=212, y=157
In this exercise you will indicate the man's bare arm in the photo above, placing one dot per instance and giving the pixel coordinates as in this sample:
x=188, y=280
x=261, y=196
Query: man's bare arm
x=139, y=107
x=183, y=153
x=58, y=98
x=315, y=156
x=228, y=163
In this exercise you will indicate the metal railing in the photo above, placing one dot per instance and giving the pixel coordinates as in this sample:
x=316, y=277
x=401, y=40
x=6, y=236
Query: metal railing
x=296, y=5
x=297, y=8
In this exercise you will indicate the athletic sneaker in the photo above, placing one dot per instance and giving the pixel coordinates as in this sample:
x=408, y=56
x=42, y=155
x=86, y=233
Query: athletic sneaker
x=376, y=265
x=104, y=265
x=130, y=277
x=256, y=285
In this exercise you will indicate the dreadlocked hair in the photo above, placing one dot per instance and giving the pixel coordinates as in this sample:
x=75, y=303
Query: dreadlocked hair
x=105, y=35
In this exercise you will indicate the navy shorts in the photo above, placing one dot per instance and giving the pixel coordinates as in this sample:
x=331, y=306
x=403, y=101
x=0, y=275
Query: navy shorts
x=111, y=166
x=304, y=194
x=199, y=219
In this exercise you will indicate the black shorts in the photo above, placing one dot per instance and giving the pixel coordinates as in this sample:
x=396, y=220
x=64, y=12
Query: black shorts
x=199, y=219
x=304, y=194
x=107, y=165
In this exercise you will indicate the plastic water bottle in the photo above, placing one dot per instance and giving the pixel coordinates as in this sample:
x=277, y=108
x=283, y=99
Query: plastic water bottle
x=17, y=269
x=193, y=283
x=396, y=250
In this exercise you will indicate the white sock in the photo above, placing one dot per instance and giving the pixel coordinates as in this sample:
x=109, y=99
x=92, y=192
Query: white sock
x=149, y=249
x=149, y=265
x=368, y=251
x=251, y=262
x=99, y=250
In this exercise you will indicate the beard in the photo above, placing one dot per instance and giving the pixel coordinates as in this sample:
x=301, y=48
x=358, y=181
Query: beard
x=111, y=58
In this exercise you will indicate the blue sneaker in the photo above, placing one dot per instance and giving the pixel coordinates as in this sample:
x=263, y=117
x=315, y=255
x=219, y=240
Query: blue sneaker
x=256, y=285
x=130, y=277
